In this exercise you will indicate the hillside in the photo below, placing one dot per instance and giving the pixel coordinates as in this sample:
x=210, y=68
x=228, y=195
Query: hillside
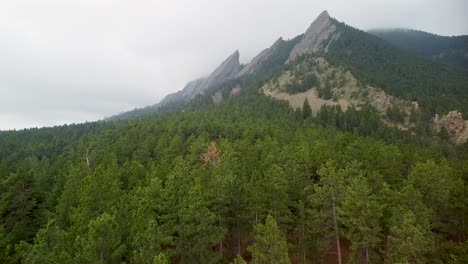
x=347, y=166
x=452, y=50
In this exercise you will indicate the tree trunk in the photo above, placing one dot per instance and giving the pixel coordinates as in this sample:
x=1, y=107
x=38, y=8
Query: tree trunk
x=335, y=224
x=221, y=241
x=238, y=238
x=87, y=159
x=303, y=244
x=367, y=255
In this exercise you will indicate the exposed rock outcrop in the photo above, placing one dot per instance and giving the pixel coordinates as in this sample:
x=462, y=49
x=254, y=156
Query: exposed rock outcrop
x=226, y=71
x=318, y=36
x=217, y=97
x=181, y=95
x=455, y=125
x=263, y=56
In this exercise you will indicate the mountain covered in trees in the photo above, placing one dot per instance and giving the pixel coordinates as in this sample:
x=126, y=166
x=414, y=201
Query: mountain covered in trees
x=452, y=50
x=323, y=149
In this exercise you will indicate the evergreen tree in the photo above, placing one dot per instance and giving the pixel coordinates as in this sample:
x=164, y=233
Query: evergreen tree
x=239, y=260
x=361, y=213
x=306, y=110
x=410, y=241
x=145, y=237
x=20, y=212
x=50, y=246
x=270, y=244
x=102, y=243
x=198, y=231
x=327, y=196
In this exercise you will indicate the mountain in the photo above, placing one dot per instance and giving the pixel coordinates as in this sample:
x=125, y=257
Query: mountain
x=452, y=50
x=318, y=36
x=227, y=70
x=261, y=58
x=189, y=89
x=323, y=149
x=331, y=64
x=437, y=87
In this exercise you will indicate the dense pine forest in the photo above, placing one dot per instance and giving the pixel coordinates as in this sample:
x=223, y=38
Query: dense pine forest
x=249, y=179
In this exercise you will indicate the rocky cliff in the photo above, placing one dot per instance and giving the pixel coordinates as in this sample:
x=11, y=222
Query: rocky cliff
x=262, y=57
x=226, y=71
x=318, y=36
x=456, y=126
x=181, y=95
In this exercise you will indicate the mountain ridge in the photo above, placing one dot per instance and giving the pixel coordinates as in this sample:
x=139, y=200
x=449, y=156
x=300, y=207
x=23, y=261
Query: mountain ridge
x=389, y=71
x=448, y=49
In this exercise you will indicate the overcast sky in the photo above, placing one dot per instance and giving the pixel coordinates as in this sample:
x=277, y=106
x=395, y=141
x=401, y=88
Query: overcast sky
x=74, y=61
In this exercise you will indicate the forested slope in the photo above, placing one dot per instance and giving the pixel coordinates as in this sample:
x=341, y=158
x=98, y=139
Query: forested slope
x=452, y=50
x=200, y=186
x=437, y=87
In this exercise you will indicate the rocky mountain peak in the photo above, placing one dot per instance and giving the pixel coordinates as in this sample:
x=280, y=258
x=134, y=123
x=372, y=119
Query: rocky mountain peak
x=323, y=15
x=320, y=33
x=263, y=56
x=227, y=70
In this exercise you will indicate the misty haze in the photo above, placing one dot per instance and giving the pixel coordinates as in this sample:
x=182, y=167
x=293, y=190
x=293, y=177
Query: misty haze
x=233, y=131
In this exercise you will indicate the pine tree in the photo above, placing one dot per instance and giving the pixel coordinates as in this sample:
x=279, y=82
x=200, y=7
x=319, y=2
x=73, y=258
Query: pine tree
x=270, y=245
x=103, y=242
x=198, y=229
x=145, y=237
x=20, y=213
x=410, y=241
x=327, y=196
x=50, y=246
x=361, y=213
x=239, y=260
x=306, y=110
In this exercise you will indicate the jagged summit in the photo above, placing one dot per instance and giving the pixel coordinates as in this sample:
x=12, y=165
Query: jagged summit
x=320, y=33
x=227, y=70
x=256, y=62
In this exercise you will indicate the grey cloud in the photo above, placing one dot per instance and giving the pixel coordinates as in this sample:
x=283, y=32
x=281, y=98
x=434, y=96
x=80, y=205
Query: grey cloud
x=72, y=61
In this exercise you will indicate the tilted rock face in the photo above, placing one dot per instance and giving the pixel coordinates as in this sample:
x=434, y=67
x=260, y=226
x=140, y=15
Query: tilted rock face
x=260, y=58
x=318, y=36
x=226, y=71
x=455, y=125
x=181, y=95
x=191, y=87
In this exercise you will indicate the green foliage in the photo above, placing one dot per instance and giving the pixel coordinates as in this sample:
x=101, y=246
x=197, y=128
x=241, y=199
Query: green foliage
x=305, y=83
x=138, y=191
x=431, y=46
x=270, y=244
x=361, y=214
x=410, y=241
x=197, y=229
x=50, y=246
x=239, y=260
x=103, y=242
x=437, y=87
x=396, y=114
x=20, y=212
x=325, y=92
x=306, y=109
